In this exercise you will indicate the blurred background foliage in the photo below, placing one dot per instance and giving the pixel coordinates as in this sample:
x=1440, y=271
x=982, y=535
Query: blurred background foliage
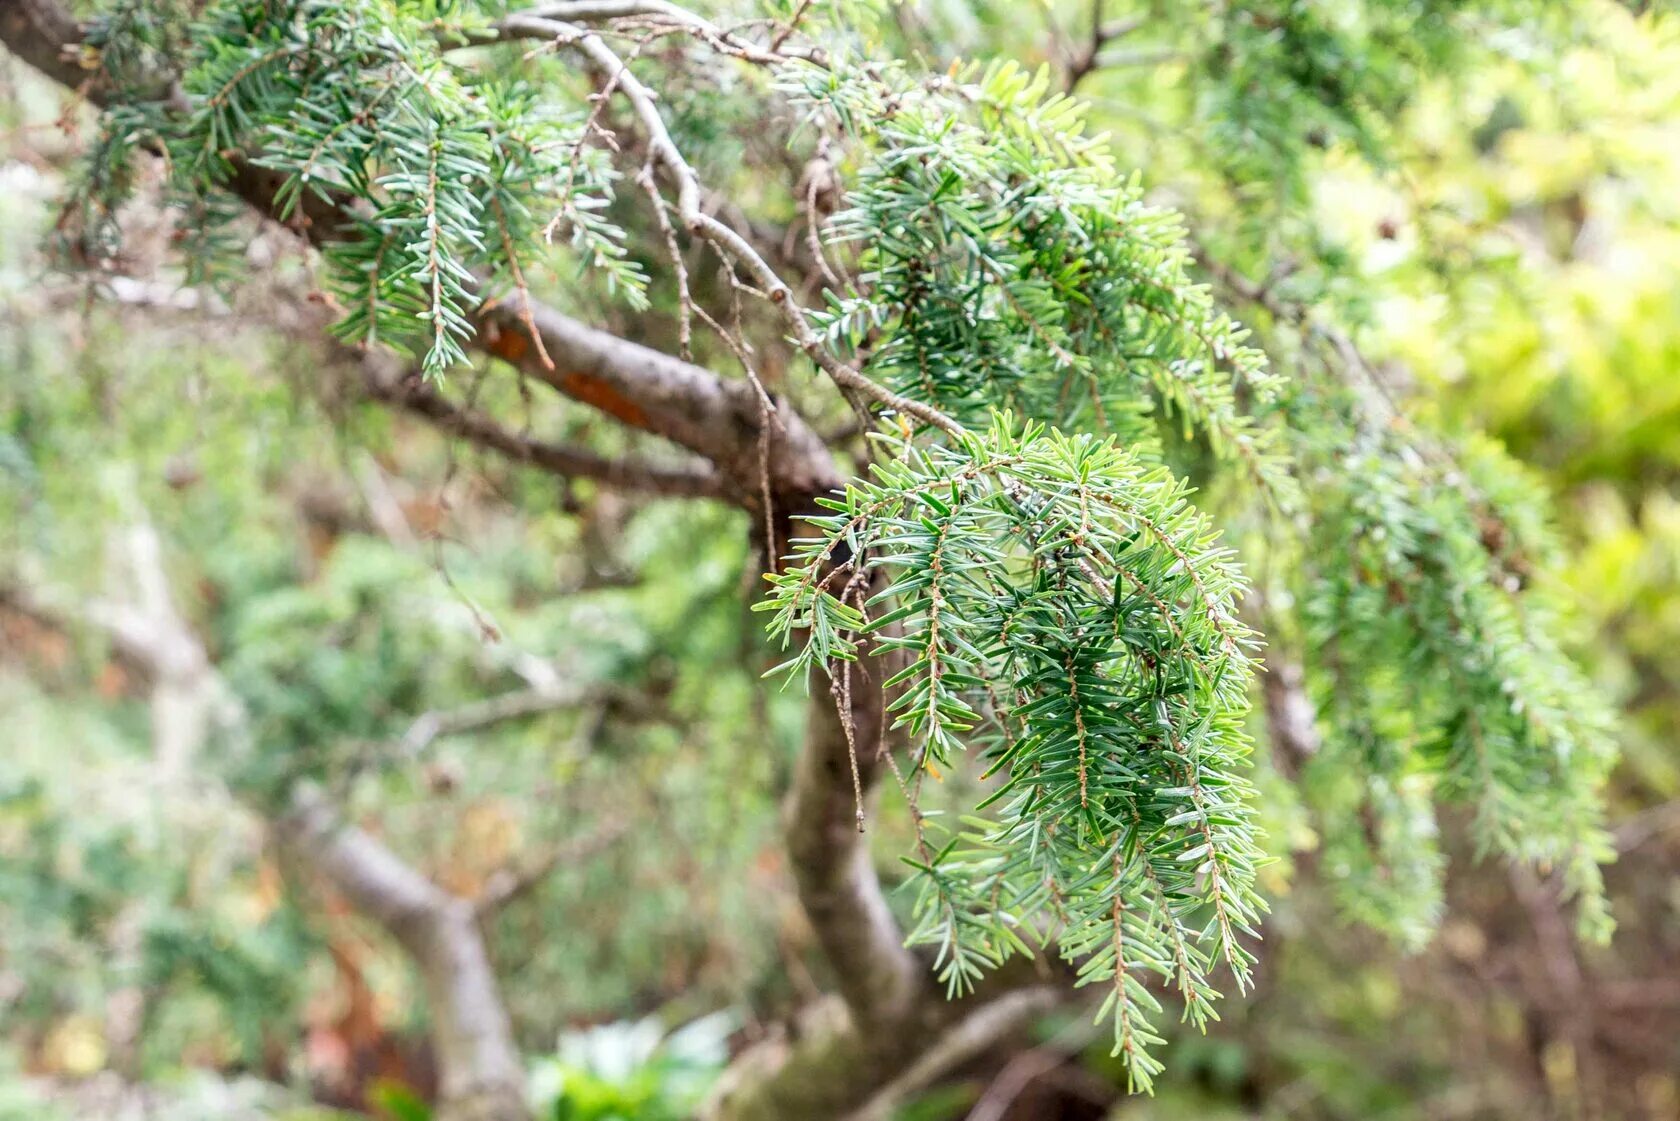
x=1495, y=218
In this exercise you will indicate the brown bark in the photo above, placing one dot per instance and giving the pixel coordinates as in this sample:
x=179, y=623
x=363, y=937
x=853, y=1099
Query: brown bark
x=893, y=1031
x=879, y=979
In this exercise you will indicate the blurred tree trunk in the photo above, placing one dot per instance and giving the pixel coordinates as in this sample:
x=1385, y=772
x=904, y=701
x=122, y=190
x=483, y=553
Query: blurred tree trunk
x=480, y=1074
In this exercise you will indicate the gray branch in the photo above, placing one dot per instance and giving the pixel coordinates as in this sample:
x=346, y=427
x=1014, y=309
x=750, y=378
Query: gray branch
x=482, y=1078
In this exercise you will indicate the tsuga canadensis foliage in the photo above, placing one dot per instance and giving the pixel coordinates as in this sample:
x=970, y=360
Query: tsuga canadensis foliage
x=1030, y=576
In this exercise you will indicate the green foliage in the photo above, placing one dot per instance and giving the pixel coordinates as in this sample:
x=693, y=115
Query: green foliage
x=1001, y=265
x=1286, y=76
x=1063, y=609
x=99, y=894
x=335, y=668
x=360, y=102
x=396, y=1102
x=1429, y=606
x=1045, y=595
x=247, y=972
x=1006, y=263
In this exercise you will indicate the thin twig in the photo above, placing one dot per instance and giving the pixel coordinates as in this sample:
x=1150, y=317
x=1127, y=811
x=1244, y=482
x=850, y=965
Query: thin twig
x=623, y=472
x=664, y=151
x=508, y=884
x=490, y=712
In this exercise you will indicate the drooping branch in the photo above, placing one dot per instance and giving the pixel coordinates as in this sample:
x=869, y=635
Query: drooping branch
x=892, y=1030
x=894, y=1012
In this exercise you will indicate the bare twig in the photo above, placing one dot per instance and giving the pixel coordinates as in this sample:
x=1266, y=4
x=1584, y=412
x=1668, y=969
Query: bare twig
x=383, y=507
x=792, y=27
x=685, y=297
x=488, y=713
x=1102, y=33
x=536, y=23
x=1028, y=1066
x=509, y=884
x=623, y=472
x=664, y=151
x=967, y=1038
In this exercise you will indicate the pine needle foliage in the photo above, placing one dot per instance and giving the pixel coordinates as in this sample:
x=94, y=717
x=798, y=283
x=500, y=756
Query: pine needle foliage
x=359, y=102
x=1059, y=607
x=1440, y=672
x=1006, y=263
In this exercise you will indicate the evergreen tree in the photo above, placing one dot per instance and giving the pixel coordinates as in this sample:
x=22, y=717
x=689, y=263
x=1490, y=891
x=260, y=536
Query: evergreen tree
x=1061, y=457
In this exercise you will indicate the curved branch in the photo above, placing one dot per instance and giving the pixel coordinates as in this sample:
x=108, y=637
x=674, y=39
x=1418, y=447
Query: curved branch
x=893, y=1029
x=722, y=237
x=659, y=13
x=718, y=419
x=969, y=1037
x=492, y=711
x=879, y=978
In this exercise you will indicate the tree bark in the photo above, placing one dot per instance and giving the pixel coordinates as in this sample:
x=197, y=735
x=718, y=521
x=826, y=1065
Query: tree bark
x=892, y=1031
x=891, y=1013
x=879, y=979
x=720, y=419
